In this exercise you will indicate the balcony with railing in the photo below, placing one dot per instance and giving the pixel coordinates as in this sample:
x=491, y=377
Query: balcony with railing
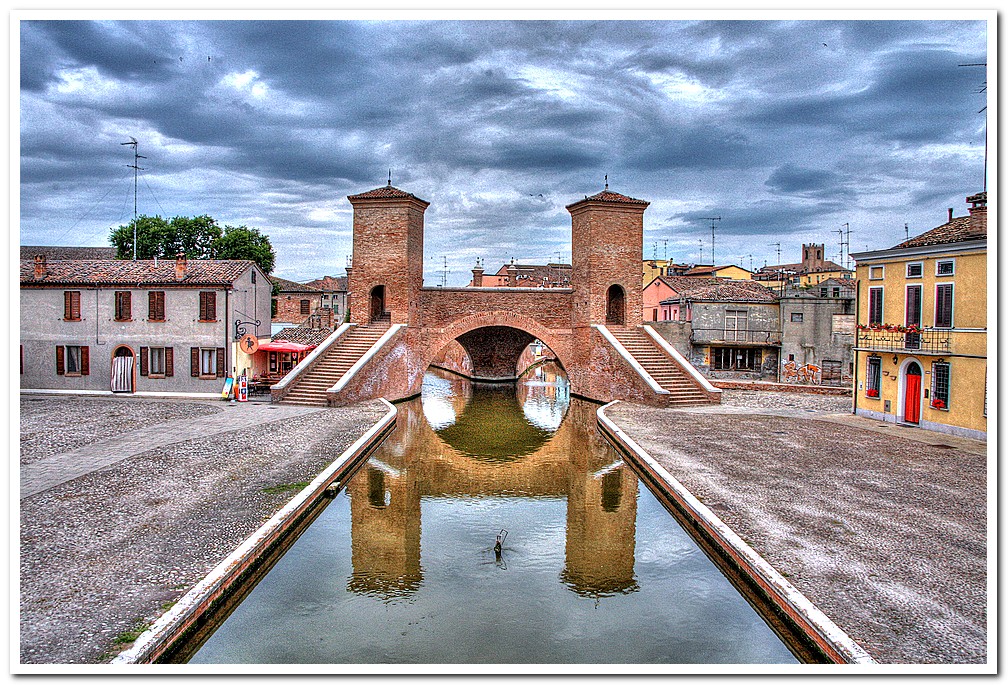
x=937, y=341
x=736, y=336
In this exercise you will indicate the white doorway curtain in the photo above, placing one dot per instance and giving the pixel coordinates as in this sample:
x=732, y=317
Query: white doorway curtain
x=122, y=374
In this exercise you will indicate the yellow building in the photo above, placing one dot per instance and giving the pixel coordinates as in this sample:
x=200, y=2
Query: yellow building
x=921, y=351
x=726, y=271
x=653, y=268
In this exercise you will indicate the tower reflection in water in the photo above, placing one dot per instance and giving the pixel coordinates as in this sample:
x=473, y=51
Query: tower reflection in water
x=466, y=440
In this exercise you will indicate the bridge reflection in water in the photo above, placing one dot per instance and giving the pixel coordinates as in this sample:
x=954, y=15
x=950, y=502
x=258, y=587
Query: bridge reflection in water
x=423, y=584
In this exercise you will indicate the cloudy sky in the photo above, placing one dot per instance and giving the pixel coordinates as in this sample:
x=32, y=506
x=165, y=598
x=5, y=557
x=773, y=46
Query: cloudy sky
x=786, y=130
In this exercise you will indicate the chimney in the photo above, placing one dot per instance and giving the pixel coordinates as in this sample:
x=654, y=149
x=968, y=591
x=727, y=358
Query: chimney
x=40, y=266
x=512, y=274
x=950, y=214
x=180, y=267
x=477, y=275
x=978, y=213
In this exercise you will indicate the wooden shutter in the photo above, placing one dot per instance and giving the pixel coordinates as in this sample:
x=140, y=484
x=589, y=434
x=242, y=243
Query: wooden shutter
x=85, y=360
x=202, y=306
x=60, y=367
x=71, y=305
x=194, y=362
x=913, y=305
x=127, y=305
x=211, y=306
x=155, y=305
x=169, y=361
x=143, y=361
x=220, y=360
x=943, y=306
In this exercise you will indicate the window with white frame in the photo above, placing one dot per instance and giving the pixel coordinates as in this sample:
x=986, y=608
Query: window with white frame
x=73, y=360
x=208, y=361
x=940, y=376
x=915, y=270
x=736, y=324
x=945, y=267
x=157, y=361
x=876, y=273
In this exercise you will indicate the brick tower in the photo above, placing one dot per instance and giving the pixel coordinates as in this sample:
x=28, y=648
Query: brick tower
x=387, y=255
x=607, y=240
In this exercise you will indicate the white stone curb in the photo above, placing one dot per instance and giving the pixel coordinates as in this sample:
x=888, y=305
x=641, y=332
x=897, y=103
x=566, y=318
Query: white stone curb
x=630, y=359
x=188, y=609
x=359, y=364
x=819, y=627
x=681, y=360
x=306, y=363
x=109, y=393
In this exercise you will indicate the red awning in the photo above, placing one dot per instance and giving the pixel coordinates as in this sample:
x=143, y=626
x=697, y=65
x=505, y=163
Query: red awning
x=284, y=346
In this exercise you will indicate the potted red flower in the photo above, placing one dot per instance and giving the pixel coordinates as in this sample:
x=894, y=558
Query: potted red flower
x=938, y=403
x=871, y=392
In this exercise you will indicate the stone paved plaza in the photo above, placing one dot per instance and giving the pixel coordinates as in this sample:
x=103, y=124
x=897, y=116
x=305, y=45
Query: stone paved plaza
x=883, y=527
x=127, y=503
x=105, y=552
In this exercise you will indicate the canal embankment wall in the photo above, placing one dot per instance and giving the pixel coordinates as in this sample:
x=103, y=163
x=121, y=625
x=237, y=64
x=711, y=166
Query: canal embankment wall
x=883, y=529
x=172, y=630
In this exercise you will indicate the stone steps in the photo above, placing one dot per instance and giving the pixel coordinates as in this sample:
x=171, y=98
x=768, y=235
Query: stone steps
x=668, y=374
x=310, y=389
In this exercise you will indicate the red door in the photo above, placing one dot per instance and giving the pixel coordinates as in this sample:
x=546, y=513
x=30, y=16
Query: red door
x=911, y=404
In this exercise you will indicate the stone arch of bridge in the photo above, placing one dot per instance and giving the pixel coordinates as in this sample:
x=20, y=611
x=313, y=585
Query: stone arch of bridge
x=462, y=330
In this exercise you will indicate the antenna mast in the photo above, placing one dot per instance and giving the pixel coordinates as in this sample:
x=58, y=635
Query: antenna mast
x=444, y=272
x=135, y=166
x=712, y=219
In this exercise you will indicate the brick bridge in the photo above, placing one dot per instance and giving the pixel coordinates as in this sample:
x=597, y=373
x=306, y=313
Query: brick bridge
x=398, y=327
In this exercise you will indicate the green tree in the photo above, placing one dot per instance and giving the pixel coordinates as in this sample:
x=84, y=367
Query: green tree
x=197, y=237
x=165, y=238
x=241, y=242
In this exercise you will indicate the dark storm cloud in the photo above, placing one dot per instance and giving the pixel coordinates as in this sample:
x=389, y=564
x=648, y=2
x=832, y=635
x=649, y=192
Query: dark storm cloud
x=277, y=121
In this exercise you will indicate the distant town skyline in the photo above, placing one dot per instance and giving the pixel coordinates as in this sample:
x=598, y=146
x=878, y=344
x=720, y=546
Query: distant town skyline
x=786, y=130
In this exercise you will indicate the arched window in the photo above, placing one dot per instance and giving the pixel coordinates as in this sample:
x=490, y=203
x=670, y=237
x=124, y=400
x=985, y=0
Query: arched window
x=615, y=306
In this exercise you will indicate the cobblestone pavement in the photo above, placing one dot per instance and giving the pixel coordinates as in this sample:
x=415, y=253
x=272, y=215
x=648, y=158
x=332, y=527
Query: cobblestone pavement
x=40, y=474
x=882, y=527
x=107, y=552
x=57, y=425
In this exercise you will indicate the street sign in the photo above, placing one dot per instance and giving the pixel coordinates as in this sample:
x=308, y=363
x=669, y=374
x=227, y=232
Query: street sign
x=248, y=344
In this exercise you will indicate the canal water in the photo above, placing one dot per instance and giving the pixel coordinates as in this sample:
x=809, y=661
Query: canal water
x=401, y=566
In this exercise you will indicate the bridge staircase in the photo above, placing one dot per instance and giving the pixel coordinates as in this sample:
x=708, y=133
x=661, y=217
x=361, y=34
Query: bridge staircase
x=683, y=390
x=310, y=388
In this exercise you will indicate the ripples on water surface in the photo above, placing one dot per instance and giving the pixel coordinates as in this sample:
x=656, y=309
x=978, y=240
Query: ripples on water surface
x=401, y=568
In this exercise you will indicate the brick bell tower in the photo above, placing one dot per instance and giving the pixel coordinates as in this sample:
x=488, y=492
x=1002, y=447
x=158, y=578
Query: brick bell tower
x=387, y=271
x=607, y=241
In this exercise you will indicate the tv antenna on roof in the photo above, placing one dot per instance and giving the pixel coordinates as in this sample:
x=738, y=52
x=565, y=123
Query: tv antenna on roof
x=712, y=219
x=136, y=168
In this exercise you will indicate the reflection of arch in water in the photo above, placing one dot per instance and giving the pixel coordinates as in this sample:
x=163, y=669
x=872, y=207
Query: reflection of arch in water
x=575, y=463
x=493, y=427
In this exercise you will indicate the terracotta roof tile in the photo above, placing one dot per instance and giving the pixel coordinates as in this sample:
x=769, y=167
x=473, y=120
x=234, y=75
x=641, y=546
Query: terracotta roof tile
x=719, y=290
x=293, y=286
x=609, y=196
x=330, y=283
x=59, y=252
x=143, y=272
x=385, y=192
x=304, y=335
x=959, y=229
